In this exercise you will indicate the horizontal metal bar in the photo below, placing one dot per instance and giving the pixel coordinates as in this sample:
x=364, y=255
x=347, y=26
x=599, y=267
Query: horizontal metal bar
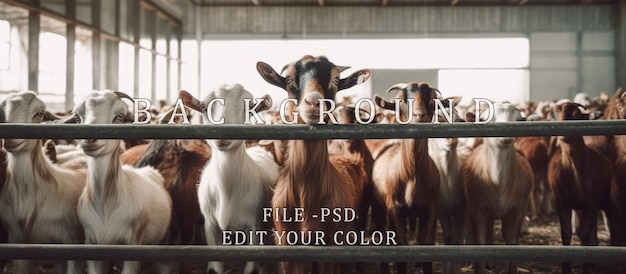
x=287, y=132
x=597, y=254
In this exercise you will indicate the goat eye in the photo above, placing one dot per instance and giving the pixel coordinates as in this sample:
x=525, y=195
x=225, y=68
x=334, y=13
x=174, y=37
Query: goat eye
x=40, y=114
x=336, y=81
x=288, y=80
x=77, y=118
x=120, y=117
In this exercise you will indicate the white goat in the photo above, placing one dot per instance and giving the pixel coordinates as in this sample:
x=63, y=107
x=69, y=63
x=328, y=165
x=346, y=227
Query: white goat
x=235, y=184
x=38, y=201
x=121, y=204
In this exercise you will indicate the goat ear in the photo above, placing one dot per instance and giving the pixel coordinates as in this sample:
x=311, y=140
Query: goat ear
x=384, y=104
x=165, y=117
x=455, y=101
x=49, y=116
x=71, y=119
x=356, y=78
x=265, y=104
x=191, y=102
x=595, y=115
x=270, y=75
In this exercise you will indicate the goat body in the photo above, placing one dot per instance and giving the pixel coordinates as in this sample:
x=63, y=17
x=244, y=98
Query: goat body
x=38, y=200
x=497, y=181
x=310, y=179
x=121, y=204
x=235, y=184
x=580, y=178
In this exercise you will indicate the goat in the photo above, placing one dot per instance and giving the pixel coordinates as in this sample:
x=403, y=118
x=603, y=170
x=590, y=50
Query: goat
x=406, y=180
x=3, y=176
x=444, y=152
x=347, y=115
x=616, y=109
x=580, y=178
x=38, y=200
x=535, y=150
x=120, y=204
x=235, y=184
x=310, y=179
x=180, y=162
x=497, y=182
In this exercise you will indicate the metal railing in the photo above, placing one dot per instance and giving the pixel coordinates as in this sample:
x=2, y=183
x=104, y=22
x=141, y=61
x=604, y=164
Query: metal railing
x=529, y=253
x=521, y=253
x=286, y=132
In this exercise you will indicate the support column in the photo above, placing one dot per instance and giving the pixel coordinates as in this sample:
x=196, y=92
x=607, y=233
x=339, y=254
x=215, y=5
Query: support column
x=34, y=20
x=70, y=32
x=620, y=44
x=96, y=46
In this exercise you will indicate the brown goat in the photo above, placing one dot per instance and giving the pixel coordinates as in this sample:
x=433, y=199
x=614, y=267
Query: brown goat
x=357, y=146
x=406, y=180
x=581, y=179
x=498, y=182
x=616, y=109
x=535, y=150
x=4, y=237
x=310, y=179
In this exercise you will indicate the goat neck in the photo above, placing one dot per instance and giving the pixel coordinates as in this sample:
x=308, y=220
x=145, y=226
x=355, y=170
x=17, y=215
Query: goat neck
x=33, y=157
x=414, y=155
x=500, y=157
x=104, y=175
x=308, y=158
x=572, y=149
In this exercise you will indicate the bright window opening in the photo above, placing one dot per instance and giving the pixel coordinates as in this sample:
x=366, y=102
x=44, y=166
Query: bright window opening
x=458, y=59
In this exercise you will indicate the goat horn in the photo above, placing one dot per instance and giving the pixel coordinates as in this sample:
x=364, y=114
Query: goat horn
x=580, y=106
x=123, y=95
x=619, y=90
x=342, y=68
x=399, y=86
x=438, y=92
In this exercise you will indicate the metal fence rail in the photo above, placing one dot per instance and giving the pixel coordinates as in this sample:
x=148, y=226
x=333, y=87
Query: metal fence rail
x=310, y=253
x=286, y=132
x=597, y=254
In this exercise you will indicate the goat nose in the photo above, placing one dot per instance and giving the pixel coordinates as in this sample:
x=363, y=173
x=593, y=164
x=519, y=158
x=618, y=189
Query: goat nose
x=312, y=101
x=89, y=141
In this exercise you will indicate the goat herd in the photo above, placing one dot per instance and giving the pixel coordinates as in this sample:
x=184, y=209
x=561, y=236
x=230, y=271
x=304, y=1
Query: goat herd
x=305, y=192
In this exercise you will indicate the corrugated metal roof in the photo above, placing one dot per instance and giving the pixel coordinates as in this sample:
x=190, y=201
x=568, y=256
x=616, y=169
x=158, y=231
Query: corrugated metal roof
x=396, y=2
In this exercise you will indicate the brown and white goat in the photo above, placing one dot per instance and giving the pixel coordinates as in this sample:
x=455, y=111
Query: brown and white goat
x=120, y=204
x=346, y=115
x=498, y=182
x=616, y=109
x=581, y=179
x=3, y=176
x=406, y=179
x=180, y=162
x=236, y=183
x=310, y=179
x=535, y=150
x=38, y=200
